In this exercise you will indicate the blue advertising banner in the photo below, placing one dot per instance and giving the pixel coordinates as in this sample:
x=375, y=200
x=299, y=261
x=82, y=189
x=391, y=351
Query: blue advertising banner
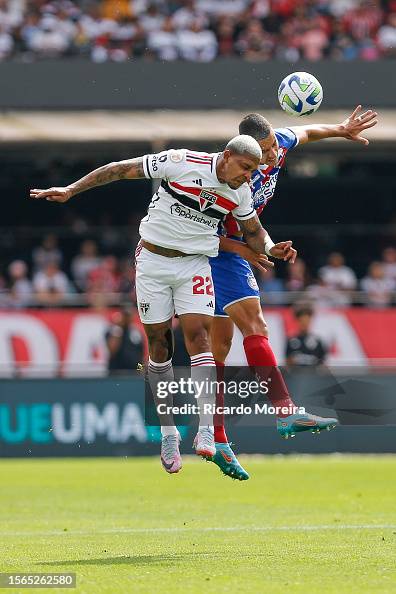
x=108, y=417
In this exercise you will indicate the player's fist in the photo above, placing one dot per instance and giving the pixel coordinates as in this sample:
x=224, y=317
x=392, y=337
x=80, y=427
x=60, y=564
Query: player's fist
x=284, y=251
x=52, y=194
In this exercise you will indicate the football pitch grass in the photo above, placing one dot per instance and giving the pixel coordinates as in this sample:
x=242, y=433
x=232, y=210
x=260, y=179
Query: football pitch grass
x=304, y=524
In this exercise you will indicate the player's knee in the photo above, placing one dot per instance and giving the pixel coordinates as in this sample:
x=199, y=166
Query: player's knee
x=254, y=326
x=197, y=340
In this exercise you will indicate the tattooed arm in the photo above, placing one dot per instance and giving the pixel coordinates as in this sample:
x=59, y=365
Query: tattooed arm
x=259, y=241
x=128, y=169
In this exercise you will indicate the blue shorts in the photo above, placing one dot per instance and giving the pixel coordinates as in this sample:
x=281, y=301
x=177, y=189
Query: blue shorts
x=233, y=281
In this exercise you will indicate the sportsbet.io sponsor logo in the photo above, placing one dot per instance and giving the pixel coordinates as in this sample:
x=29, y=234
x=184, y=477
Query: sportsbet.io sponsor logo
x=180, y=211
x=45, y=423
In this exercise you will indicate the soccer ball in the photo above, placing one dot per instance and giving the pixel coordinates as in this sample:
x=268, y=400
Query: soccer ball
x=300, y=94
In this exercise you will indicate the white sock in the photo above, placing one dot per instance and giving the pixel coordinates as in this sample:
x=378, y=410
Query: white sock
x=203, y=373
x=162, y=372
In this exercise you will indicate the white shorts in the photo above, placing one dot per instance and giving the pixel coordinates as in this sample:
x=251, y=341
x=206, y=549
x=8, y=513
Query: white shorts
x=165, y=286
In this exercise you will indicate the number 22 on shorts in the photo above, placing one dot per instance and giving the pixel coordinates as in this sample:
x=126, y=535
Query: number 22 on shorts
x=202, y=285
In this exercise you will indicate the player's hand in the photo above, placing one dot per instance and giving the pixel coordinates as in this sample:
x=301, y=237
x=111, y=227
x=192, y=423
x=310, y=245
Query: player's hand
x=357, y=123
x=52, y=194
x=284, y=251
x=260, y=261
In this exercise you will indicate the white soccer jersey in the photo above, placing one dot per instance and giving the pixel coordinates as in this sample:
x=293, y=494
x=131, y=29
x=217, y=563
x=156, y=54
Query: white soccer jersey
x=185, y=211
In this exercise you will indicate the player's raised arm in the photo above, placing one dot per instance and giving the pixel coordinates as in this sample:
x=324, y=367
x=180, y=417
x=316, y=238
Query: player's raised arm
x=128, y=169
x=258, y=240
x=352, y=128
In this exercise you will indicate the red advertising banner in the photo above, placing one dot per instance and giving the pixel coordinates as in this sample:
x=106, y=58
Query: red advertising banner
x=39, y=343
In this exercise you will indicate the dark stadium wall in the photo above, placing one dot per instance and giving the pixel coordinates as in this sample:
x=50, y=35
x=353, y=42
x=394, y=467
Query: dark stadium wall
x=181, y=85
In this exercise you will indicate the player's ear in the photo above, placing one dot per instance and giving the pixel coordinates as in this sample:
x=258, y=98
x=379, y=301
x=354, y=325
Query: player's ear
x=227, y=155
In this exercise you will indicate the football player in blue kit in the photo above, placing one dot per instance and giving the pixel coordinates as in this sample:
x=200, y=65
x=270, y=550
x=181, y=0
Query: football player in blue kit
x=236, y=290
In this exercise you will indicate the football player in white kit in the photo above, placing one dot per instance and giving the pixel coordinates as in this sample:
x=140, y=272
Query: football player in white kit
x=173, y=274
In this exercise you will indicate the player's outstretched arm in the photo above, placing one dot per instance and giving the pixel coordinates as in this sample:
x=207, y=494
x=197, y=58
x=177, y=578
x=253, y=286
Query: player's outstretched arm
x=260, y=261
x=259, y=241
x=352, y=128
x=128, y=169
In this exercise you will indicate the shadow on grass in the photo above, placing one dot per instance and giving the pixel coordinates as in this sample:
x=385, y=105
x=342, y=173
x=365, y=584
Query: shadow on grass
x=142, y=560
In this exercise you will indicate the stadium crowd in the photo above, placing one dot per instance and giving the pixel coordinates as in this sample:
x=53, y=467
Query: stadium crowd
x=197, y=30
x=96, y=275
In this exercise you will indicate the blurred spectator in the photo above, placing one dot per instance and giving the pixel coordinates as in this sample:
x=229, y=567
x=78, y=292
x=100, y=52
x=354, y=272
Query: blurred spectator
x=86, y=261
x=187, y=15
x=296, y=276
x=152, y=19
x=11, y=13
x=305, y=348
x=387, y=37
x=124, y=343
x=104, y=282
x=363, y=20
x=49, y=41
x=225, y=36
x=21, y=289
x=255, y=43
x=339, y=277
x=389, y=263
x=6, y=43
x=197, y=44
x=271, y=288
x=51, y=285
x=164, y=43
x=377, y=287
x=48, y=252
x=313, y=42
x=324, y=296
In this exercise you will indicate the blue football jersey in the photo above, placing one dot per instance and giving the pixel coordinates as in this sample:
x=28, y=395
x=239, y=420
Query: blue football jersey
x=264, y=179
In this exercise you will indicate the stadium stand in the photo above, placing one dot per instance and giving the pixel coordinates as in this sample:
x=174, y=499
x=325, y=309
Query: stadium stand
x=197, y=30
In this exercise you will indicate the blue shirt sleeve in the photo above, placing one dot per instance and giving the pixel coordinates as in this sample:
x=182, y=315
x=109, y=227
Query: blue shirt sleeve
x=286, y=138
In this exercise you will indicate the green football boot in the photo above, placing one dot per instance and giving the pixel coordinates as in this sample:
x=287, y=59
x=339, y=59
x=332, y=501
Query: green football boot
x=226, y=460
x=289, y=426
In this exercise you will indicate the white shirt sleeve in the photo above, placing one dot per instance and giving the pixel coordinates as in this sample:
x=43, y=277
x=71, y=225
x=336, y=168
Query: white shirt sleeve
x=245, y=210
x=163, y=165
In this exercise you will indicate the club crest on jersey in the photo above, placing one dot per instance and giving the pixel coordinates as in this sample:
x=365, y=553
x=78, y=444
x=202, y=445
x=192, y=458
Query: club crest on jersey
x=144, y=307
x=206, y=199
x=251, y=280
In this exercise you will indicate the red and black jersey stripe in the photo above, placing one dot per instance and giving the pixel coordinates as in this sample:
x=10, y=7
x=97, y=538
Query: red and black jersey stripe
x=200, y=159
x=190, y=203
